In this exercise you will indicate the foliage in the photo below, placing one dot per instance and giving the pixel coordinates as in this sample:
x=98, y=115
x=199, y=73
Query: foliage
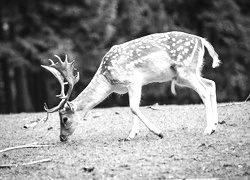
x=33, y=31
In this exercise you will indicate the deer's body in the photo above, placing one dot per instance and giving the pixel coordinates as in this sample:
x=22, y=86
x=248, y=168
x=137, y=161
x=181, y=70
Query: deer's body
x=172, y=56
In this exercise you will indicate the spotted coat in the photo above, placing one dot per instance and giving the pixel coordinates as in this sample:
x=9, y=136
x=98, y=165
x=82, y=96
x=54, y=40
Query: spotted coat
x=121, y=62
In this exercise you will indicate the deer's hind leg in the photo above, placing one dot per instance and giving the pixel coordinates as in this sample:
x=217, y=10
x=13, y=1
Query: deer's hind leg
x=200, y=85
x=212, y=88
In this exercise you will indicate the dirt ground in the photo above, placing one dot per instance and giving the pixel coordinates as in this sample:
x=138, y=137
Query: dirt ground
x=96, y=150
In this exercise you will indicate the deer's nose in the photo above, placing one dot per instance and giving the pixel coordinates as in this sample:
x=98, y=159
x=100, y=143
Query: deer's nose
x=63, y=138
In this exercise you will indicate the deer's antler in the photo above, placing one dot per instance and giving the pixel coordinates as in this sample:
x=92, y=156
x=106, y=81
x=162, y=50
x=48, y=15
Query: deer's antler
x=63, y=70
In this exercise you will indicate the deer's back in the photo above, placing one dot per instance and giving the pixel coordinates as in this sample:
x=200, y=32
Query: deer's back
x=149, y=57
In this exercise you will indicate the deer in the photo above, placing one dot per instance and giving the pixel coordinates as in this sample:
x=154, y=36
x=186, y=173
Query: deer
x=161, y=57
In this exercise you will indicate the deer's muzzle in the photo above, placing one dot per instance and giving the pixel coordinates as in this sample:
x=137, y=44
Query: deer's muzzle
x=63, y=138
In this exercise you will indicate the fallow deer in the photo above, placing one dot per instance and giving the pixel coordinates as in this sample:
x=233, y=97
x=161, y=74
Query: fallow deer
x=172, y=56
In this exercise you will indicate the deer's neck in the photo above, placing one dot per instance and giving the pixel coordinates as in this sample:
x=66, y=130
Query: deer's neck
x=96, y=91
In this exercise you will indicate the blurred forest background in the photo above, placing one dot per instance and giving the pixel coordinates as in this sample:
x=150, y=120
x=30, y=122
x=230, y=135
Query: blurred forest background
x=32, y=31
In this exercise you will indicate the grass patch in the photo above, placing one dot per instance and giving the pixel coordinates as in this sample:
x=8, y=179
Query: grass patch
x=95, y=152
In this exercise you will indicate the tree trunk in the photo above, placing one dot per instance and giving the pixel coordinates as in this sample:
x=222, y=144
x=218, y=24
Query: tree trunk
x=9, y=87
x=24, y=103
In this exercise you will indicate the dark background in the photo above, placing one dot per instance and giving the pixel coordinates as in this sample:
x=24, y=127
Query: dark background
x=32, y=31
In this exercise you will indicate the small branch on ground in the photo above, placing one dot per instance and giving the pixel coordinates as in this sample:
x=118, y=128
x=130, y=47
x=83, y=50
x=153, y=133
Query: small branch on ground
x=25, y=164
x=33, y=145
x=156, y=107
x=35, y=122
x=231, y=104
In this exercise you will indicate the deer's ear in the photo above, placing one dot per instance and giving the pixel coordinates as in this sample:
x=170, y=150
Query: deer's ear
x=72, y=106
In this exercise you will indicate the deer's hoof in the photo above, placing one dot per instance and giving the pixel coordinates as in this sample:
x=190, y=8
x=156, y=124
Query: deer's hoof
x=125, y=139
x=209, y=131
x=128, y=139
x=161, y=135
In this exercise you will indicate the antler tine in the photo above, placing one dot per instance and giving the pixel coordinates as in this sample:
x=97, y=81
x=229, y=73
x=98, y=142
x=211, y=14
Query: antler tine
x=58, y=57
x=66, y=58
x=59, y=106
x=52, y=62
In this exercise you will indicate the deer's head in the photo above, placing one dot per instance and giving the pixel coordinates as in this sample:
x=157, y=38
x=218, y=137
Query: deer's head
x=64, y=72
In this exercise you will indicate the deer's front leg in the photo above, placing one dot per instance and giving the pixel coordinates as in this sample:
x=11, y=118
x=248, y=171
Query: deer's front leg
x=135, y=129
x=134, y=91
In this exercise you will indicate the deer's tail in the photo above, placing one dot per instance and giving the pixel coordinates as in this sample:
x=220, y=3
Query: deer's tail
x=211, y=51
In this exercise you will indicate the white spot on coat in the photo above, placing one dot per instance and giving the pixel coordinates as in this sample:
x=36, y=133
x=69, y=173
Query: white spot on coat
x=187, y=43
